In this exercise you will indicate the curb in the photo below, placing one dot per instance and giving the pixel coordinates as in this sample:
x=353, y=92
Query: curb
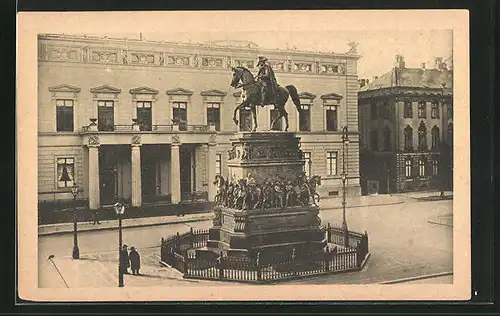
x=421, y=277
x=359, y=206
x=439, y=223
x=115, y=226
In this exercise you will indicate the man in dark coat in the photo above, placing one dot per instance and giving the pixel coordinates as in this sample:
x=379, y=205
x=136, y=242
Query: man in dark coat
x=135, y=261
x=267, y=78
x=124, y=260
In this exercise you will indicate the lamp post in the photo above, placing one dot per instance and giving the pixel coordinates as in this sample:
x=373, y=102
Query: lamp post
x=345, y=142
x=120, y=210
x=76, y=251
x=441, y=182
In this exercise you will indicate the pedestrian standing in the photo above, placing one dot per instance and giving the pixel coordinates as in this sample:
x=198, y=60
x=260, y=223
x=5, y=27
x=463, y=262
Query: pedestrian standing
x=124, y=260
x=135, y=261
x=96, y=217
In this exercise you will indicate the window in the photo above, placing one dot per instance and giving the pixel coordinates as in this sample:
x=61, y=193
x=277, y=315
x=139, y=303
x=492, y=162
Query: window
x=106, y=115
x=305, y=118
x=422, y=136
x=278, y=125
x=435, y=137
x=180, y=115
x=65, y=172
x=421, y=167
x=435, y=164
x=374, y=140
x=331, y=161
x=387, y=139
x=435, y=110
x=408, y=167
x=422, y=109
x=218, y=164
x=373, y=111
x=64, y=115
x=144, y=115
x=408, y=110
x=450, y=111
x=245, y=120
x=331, y=118
x=408, y=138
x=307, y=164
x=213, y=115
x=385, y=110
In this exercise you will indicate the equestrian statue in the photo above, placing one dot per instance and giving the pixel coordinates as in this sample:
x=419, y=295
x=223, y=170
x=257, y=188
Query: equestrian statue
x=263, y=90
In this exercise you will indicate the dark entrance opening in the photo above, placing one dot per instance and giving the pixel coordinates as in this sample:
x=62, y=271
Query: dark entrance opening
x=108, y=174
x=187, y=171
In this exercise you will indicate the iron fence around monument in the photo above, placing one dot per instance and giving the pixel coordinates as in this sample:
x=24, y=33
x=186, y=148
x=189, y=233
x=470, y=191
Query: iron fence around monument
x=179, y=252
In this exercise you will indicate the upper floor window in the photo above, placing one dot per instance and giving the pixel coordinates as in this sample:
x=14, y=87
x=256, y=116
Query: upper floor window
x=435, y=110
x=435, y=167
x=373, y=111
x=331, y=161
x=374, y=140
x=387, y=139
x=65, y=172
x=408, y=167
x=408, y=110
x=421, y=167
x=213, y=114
x=385, y=111
x=422, y=136
x=179, y=115
x=307, y=164
x=422, y=109
x=144, y=115
x=305, y=118
x=408, y=138
x=435, y=137
x=105, y=115
x=331, y=118
x=64, y=115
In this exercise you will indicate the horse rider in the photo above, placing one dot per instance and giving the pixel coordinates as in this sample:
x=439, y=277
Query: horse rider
x=267, y=79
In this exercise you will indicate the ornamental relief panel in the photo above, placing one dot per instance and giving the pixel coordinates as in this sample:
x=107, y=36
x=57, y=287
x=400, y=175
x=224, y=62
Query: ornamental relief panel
x=104, y=56
x=244, y=63
x=63, y=53
x=211, y=62
x=303, y=67
x=177, y=60
x=142, y=58
x=278, y=65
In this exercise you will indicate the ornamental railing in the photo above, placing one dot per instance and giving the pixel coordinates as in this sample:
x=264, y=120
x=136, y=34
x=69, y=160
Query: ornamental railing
x=168, y=128
x=177, y=251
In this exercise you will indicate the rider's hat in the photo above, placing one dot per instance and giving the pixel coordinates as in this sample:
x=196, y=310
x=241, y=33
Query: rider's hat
x=262, y=59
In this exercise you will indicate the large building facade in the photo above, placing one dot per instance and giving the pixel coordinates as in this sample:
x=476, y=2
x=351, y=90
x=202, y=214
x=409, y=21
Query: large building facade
x=148, y=121
x=406, y=125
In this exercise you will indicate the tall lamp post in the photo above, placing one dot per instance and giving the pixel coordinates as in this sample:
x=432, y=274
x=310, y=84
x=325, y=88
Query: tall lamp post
x=76, y=251
x=345, y=142
x=120, y=210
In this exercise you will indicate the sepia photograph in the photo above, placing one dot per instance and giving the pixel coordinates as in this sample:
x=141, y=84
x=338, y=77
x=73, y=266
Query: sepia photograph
x=224, y=159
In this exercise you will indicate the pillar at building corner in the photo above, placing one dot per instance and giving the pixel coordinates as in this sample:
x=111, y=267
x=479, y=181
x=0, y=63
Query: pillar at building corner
x=211, y=171
x=136, y=176
x=175, y=178
x=94, y=198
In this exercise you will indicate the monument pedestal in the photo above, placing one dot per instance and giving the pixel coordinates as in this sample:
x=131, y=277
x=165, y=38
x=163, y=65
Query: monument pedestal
x=270, y=221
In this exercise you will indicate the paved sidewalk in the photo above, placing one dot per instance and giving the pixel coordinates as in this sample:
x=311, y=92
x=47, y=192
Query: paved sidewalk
x=443, y=220
x=325, y=204
x=425, y=194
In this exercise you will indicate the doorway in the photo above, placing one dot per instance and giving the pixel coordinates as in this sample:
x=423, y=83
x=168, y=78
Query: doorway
x=187, y=171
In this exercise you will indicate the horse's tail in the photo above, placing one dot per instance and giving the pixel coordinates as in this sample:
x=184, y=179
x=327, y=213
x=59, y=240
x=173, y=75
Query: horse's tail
x=295, y=97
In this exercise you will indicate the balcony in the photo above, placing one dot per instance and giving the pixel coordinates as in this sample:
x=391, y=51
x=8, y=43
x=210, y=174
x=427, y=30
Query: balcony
x=171, y=128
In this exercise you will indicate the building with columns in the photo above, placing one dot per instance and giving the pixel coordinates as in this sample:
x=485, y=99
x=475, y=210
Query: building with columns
x=406, y=125
x=151, y=121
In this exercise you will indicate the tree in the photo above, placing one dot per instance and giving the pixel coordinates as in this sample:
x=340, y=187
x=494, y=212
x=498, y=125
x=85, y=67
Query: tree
x=445, y=167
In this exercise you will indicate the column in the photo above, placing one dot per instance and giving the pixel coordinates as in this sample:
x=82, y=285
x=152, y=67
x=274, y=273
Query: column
x=175, y=173
x=94, y=198
x=136, y=176
x=211, y=171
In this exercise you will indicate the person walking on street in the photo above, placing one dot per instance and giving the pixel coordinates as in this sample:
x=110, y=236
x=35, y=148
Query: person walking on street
x=135, y=261
x=95, y=214
x=124, y=260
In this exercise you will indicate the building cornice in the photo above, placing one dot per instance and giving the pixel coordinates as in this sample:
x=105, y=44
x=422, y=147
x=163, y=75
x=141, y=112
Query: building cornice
x=401, y=91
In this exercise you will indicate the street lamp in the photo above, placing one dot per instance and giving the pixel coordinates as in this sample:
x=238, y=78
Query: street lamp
x=345, y=143
x=76, y=251
x=120, y=210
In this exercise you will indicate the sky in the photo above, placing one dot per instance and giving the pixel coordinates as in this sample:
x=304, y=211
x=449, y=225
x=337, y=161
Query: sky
x=378, y=48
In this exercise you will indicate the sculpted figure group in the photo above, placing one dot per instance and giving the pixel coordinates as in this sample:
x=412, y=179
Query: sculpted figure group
x=273, y=192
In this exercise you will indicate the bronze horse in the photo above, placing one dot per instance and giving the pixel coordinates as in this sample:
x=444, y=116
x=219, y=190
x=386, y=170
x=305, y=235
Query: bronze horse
x=251, y=89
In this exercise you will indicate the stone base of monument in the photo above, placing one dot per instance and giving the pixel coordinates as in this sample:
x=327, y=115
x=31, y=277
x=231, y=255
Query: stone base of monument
x=268, y=231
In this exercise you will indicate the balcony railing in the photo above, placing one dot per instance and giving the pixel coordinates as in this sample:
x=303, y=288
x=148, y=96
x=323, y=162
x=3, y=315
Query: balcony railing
x=150, y=128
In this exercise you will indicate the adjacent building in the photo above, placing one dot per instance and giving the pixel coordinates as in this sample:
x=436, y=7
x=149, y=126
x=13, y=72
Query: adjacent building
x=150, y=121
x=406, y=125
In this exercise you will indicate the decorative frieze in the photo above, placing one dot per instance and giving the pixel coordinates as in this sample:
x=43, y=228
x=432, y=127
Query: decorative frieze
x=104, y=56
x=63, y=53
x=332, y=68
x=211, y=62
x=142, y=58
x=93, y=140
x=244, y=63
x=303, y=67
x=177, y=60
x=278, y=65
x=136, y=140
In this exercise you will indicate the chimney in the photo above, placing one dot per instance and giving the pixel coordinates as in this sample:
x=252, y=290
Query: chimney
x=423, y=66
x=437, y=62
x=362, y=83
x=400, y=62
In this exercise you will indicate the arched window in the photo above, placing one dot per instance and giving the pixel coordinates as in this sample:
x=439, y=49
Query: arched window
x=435, y=137
x=422, y=136
x=387, y=139
x=374, y=140
x=421, y=166
x=408, y=167
x=408, y=138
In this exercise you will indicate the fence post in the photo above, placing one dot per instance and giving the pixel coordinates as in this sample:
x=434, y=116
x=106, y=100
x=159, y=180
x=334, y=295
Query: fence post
x=333, y=256
x=259, y=270
x=294, y=262
x=328, y=236
x=346, y=238
x=162, y=249
x=366, y=242
x=185, y=263
x=327, y=259
x=177, y=243
x=220, y=261
x=191, y=238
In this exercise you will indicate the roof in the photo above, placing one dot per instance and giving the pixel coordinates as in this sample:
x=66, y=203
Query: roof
x=412, y=78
